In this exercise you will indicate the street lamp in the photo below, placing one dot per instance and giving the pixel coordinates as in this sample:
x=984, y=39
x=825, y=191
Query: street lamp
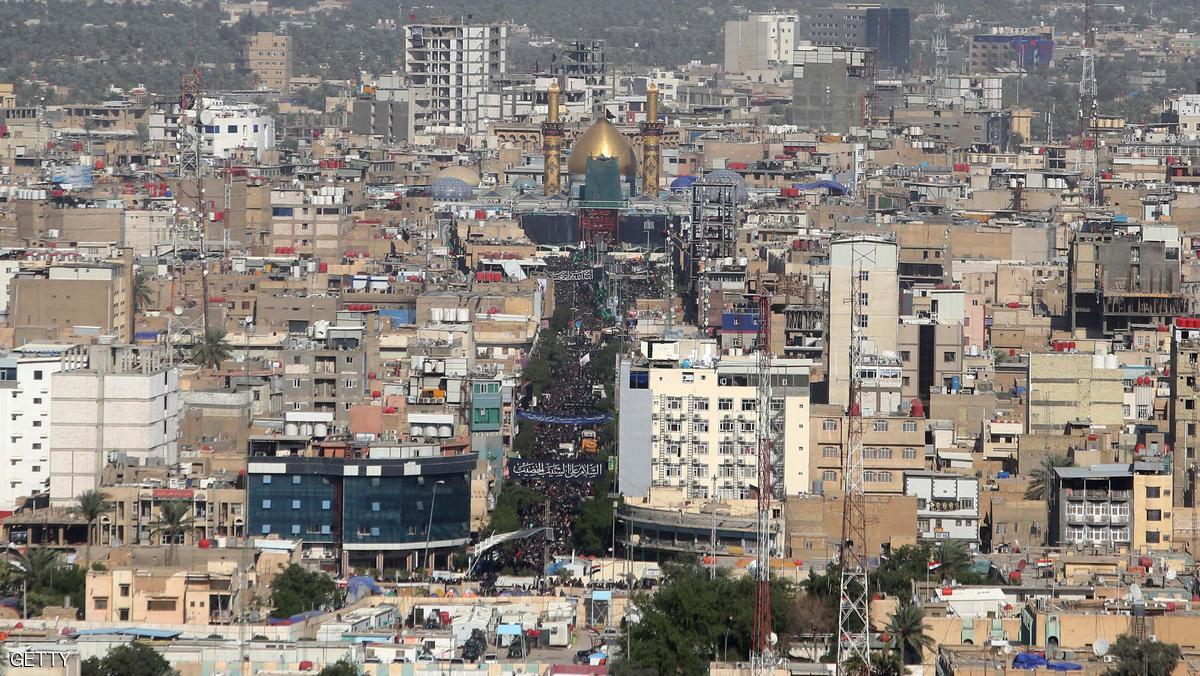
x=429, y=526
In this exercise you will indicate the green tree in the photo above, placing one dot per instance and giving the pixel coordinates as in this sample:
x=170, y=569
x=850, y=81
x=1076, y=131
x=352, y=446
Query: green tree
x=143, y=295
x=91, y=505
x=907, y=630
x=343, y=667
x=44, y=579
x=953, y=555
x=514, y=499
x=1143, y=658
x=297, y=590
x=174, y=519
x=1042, y=478
x=212, y=349
x=593, y=530
x=132, y=659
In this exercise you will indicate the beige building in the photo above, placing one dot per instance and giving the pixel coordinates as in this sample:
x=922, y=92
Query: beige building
x=269, y=58
x=873, y=260
x=163, y=595
x=892, y=446
x=1152, y=523
x=1184, y=413
x=62, y=300
x=1074, y=389
x=693, y=428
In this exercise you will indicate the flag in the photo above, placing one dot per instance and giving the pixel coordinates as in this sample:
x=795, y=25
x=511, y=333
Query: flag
x=587, y=357
x=934, y=565
x=608, y=114
x=596, y=569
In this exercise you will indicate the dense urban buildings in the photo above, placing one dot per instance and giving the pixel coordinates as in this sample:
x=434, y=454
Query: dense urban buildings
x=547, y=338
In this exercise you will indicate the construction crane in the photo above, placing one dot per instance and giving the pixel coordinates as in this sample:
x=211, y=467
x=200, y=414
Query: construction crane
x=854, y=628
x=763, y=659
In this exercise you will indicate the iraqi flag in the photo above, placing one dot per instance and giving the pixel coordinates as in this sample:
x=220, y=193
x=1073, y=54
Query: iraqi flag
x=934, y=565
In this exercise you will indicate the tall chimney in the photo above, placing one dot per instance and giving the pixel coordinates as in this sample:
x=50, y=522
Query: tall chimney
x=552, y=138
x=652, y=131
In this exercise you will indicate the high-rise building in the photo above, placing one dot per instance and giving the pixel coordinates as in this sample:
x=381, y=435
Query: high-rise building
x=112, y=402
x=457, y=62
x=873, y=261
x=830, y=86
x=269, y=58
x=886, y=30
x=690, y=426
x=761, y=41
x=25, y=378
x=54, y=303
x=1010, y=48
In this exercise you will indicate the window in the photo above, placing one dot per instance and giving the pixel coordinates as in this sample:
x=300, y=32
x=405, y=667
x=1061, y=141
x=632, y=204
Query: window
x=1154, y=515
x=829, y=424
x=864, y=298
x=160, y=604
x=726, y=425
x=829, y=475
x=639, y=380
x=349, y=382
x=830, y=452
x=324, y=504
x=881, y=425
x=674, y=403
x=910, y=425
x=1153, y=537
x=37, y=375
x=266, y=479
x=966, y=503
x=725, y=448
x=749, y=404
x=266, y=504
x=1152, y=491
x=295, y=504
x=295, y=529
x=374, y=506
x=949, y=357
x=701, y=426
x=295, y=383
x=864, y=275
x=910, y=454
x=123, y=590
x=375, y=531
x=864, y=321
x=296, y=406
x=724, y=404
x=295, y=479
x=101, y=604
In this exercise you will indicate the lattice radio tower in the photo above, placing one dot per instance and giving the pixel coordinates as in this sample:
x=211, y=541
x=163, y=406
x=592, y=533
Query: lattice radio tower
x=763, y=658
x=187, y=259
x=941, y=52
x=854, y=629
x=1089, y=176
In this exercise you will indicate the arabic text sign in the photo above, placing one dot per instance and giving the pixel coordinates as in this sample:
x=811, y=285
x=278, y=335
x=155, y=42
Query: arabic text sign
x=556, y=470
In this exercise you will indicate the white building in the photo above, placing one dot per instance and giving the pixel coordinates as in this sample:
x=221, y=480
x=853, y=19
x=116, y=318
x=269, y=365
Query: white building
x=225, y=127
x=457, y=63
x=690, y=426
x=873, y=260
x=113, y=403
x=947, y=506
x=762, y=41
x=25, y=395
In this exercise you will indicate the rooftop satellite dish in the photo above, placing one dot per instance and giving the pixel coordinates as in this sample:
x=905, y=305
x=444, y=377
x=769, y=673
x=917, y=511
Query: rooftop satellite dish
x=177, y=310
x=1007, y=649
x=1135, y=593
x=1100, y=647
x=1170, y=574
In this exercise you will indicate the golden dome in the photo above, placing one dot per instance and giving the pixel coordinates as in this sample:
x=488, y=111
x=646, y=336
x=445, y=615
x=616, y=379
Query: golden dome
x=602, y=139
x=462, y=172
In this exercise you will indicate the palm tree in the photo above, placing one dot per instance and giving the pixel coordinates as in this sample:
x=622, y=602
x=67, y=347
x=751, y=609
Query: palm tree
x=174, y=519
x=907, y=629
x=212, y=349
x=953, y=554
x=1042, y=478
x=91, y=505
x=143, y=295
x=32, y=571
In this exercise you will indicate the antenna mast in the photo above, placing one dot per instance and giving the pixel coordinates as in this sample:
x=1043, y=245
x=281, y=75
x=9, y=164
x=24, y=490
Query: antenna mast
x=187, y=259
x=854, y=629
x=763, y=658
x=1089, y=177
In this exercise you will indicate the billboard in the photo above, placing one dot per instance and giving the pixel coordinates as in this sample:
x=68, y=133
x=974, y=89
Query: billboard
x=556, y=470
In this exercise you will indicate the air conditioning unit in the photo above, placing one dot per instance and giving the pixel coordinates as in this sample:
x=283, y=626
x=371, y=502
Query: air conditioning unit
x=1152, y=638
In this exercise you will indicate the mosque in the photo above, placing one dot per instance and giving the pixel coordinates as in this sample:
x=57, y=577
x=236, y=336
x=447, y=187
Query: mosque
x=605, y=195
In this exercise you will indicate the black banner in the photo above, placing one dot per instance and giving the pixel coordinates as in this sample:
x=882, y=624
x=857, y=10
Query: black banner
x=556, y=470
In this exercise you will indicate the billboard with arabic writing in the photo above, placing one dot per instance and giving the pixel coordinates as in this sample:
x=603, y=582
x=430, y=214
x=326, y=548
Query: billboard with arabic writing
x=556, y=470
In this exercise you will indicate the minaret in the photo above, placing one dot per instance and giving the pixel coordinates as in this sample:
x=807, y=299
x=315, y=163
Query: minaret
x=652, y=131
x=552, y=139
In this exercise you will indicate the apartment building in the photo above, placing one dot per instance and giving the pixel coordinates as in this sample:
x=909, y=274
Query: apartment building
x=66, y=300
x=892, y=446
x=269, y=58
x=947, y=506
x=112, y=402
x=217, y=509
x=829, y=86
x=25, y=394
x=164, y=594
x=1182, y=409
x=309, y=222
x=457, y=63
x=1074, y=389
x=689, y=427
x=763, y=40
x=873, y=262
x=1112, y=506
